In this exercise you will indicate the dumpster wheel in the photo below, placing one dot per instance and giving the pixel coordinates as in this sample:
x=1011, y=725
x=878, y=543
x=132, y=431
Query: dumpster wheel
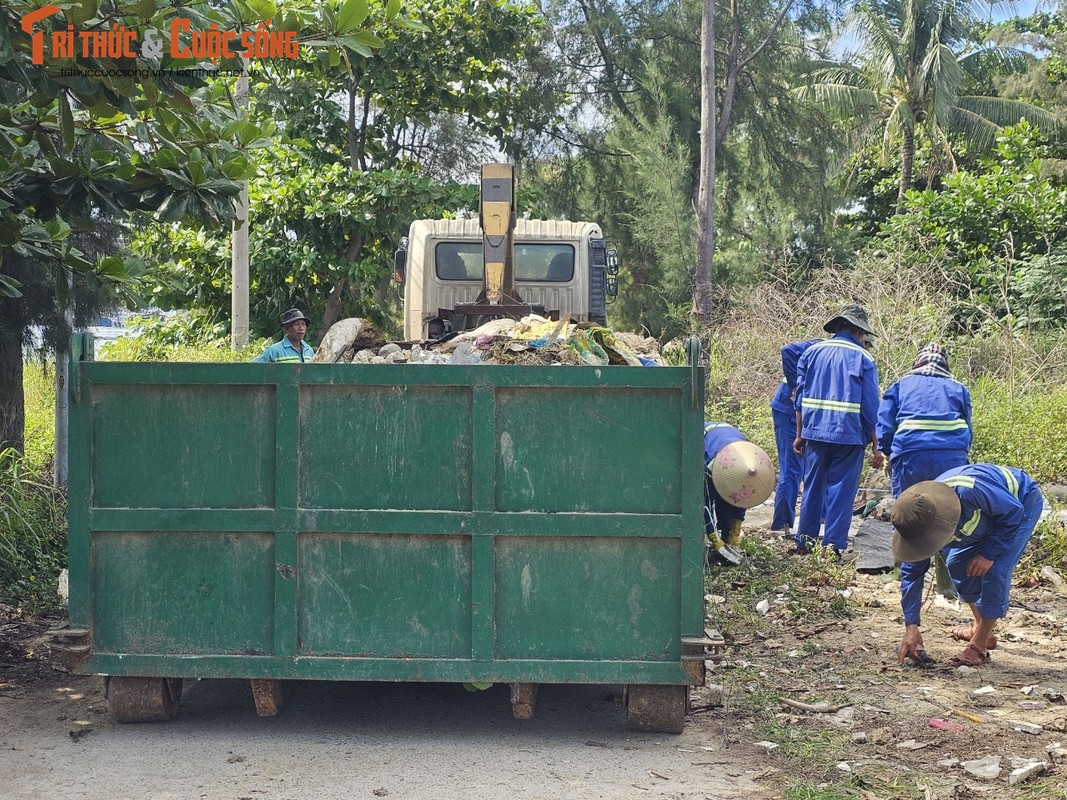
x=142, y=699
x=659, y=708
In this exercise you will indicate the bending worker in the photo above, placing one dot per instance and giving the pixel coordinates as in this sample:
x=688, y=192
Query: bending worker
x=737, y=476
x=292, y=348
x=836, y=407
x=924, y=421
x=783, y=413
x=980, y=517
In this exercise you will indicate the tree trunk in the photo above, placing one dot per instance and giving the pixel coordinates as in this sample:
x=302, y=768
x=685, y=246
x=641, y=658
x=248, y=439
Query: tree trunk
x=12, y=407
x=702, y=306
x=907, y=161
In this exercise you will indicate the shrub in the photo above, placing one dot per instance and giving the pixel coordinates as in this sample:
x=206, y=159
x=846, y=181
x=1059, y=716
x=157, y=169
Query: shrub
x=33, y=546
x=1022, y=430
x=39, y=393
x=184, y=336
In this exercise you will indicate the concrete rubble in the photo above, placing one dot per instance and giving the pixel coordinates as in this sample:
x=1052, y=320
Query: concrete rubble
x=533, y=340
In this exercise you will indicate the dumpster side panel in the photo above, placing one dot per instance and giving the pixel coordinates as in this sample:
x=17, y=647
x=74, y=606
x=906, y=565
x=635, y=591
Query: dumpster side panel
x=396, y=446
x=182, y=446
x=588, y=450
x=385, y=596
x=182, y=592
x=587, y=599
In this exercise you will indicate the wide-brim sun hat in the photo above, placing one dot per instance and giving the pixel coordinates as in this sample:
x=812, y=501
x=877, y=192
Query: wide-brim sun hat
x=925, y=517
x=852, y=314
x=742, y=474
x=292, y=315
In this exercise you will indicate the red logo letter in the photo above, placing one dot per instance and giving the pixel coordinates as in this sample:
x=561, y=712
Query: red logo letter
x=38, y=38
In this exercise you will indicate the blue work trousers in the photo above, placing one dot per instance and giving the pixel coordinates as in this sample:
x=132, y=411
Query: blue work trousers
x=989, y=592
x=914, y=466
x=790, y=469
x=831, y=479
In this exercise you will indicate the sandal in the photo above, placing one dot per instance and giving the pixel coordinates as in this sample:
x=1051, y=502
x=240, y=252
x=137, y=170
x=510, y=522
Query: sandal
x=972, y=656
x=964, y=633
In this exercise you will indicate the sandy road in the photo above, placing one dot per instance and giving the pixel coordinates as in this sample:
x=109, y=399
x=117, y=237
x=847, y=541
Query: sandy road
x=338, y=740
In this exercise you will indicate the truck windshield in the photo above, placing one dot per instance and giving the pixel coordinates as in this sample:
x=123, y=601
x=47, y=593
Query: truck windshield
x=534, y=263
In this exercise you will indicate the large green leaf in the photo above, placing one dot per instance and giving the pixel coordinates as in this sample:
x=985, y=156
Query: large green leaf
x=351, y=15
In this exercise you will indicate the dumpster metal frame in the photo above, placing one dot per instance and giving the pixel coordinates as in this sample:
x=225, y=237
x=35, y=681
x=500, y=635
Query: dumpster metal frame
x=207, y=562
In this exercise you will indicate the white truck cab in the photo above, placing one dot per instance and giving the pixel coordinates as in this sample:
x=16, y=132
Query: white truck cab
x=563, y=269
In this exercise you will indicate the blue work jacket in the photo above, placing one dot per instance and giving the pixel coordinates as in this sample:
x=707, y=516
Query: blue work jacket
x=837, y=391
x=791, y=353
x=924, y=412
x=991, y=507
x=284, y=352
x=992, y=501
x=716, y=436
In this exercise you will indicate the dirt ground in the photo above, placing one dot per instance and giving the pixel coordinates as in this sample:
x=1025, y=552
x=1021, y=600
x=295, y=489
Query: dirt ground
x=876, y=740
x=900, y=731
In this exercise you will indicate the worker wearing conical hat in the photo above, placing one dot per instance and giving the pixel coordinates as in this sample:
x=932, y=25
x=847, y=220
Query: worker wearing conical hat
x=981, y=517
x=737, y=476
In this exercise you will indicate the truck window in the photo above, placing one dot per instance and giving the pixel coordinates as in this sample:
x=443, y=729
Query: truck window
x=534, y=263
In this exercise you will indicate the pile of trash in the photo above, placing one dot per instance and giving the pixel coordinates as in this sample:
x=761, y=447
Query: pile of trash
x=531, y=340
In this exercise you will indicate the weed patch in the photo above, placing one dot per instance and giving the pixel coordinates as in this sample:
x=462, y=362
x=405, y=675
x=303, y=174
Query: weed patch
x=33, y=546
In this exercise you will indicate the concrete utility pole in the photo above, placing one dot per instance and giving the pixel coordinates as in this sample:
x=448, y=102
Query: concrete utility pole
x=239, y=247
x=62, y=404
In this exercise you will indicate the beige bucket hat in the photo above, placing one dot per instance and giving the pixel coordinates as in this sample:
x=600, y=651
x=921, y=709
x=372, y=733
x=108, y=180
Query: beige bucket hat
x=742, y=474
x=925, y=516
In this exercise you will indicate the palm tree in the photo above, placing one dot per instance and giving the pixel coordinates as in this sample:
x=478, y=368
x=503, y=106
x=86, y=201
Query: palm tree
x=915, y=59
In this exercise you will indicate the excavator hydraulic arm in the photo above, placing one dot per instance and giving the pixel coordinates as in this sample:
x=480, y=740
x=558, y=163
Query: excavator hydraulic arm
x=499, y=297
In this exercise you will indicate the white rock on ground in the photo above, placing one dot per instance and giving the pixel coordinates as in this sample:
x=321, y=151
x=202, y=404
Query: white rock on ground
x=1031, y=770
x=987, y=768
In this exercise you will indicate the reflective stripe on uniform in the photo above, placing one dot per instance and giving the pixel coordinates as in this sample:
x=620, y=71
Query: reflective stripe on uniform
x=842, y=343
x=830, y=405
x=959, y=480
x=933, y=425
x=968, y=527
x=1013, y=484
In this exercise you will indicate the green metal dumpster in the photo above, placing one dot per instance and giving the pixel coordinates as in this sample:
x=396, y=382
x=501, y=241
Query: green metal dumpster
x=504, y=524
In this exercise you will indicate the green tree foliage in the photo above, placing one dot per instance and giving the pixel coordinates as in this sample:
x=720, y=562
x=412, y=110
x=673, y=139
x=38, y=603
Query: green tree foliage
x=1045, y=34
x=304, y=215
x=1001, y=231
x=635, y=73
x=87, y=140
x=914, y=76
x=331, y=199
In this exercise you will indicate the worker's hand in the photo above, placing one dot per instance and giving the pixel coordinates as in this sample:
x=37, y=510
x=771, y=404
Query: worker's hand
x=798, y=445
x=911, y=645
x=877, y=459
x=979, y=565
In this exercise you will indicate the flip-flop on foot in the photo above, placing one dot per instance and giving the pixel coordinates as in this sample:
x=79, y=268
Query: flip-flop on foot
x=964, y=633
x=972, y=656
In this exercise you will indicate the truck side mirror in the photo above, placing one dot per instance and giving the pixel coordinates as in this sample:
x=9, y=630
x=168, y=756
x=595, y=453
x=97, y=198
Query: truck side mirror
x=400, y=262
x=611, y=280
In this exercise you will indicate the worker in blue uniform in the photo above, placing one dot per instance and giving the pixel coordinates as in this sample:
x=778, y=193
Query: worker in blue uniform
x=924, y=421
x=783, y=414
x=980, y=516
x=836, y=406
x=292, y=348
x=737, y=476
